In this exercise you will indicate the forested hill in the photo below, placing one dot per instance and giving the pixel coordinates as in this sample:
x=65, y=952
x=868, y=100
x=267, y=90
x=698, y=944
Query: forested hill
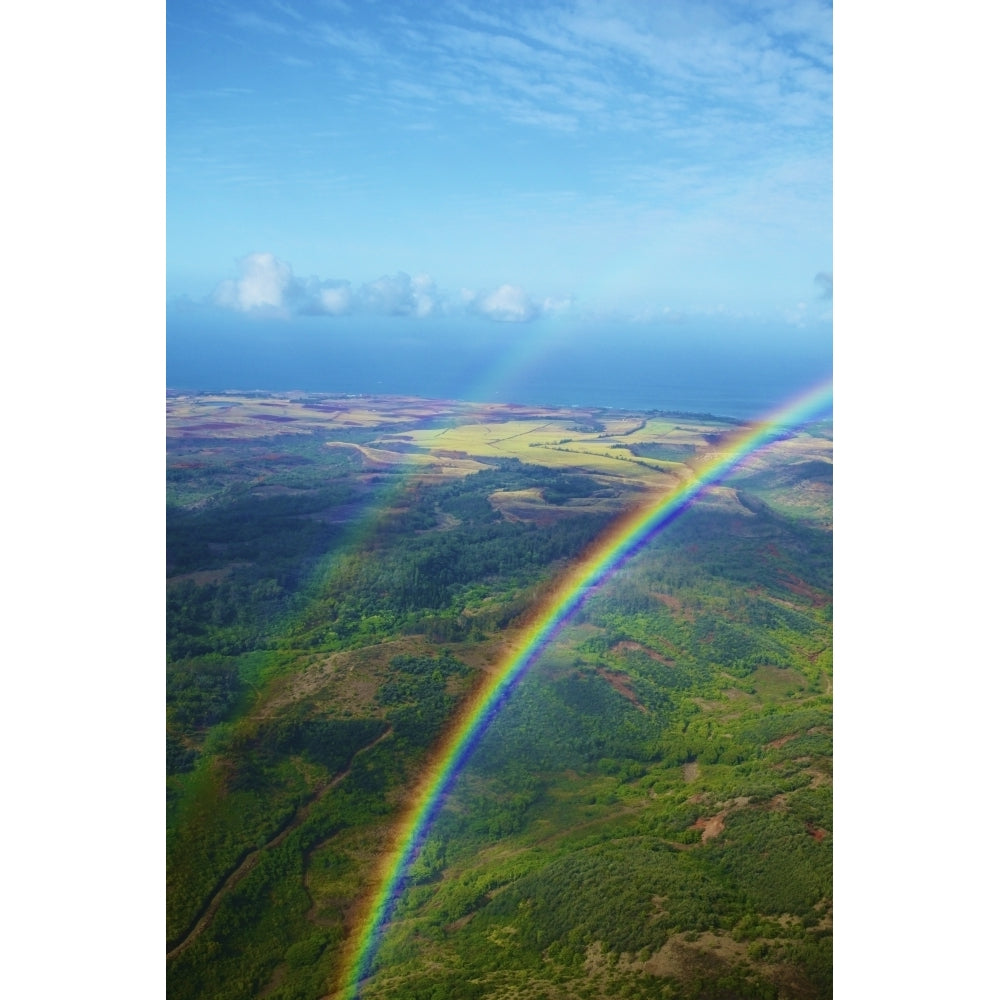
x=650, y=814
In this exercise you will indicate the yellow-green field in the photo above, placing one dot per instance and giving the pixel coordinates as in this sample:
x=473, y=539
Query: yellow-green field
x=437, y=439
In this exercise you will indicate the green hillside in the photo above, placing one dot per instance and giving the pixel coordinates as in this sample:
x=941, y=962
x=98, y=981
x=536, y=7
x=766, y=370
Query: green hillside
x=650, y=815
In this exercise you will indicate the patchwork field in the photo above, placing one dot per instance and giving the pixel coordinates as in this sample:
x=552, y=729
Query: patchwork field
x=444, y=439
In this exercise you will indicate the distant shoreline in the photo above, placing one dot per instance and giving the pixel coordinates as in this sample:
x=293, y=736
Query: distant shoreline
x=302, y=394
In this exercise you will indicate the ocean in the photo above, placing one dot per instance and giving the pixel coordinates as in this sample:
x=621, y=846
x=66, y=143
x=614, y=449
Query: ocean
x=701, y=369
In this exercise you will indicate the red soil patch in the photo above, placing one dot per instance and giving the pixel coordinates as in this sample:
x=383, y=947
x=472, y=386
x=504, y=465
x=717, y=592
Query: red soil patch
x=710, y=827
x=620, y=682
x=675, y=605
x=799, y=587
x=669, y=600
x=638, y=647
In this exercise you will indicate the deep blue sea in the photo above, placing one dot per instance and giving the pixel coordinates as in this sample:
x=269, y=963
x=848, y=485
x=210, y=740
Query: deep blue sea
x=702, y=369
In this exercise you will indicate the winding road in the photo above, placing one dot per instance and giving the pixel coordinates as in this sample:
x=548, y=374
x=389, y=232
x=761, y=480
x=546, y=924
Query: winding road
x=249, y=861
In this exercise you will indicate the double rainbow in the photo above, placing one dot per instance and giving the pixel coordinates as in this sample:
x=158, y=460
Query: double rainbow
x=608, y=553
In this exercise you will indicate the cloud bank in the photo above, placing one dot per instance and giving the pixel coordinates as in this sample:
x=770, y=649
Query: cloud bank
x=267, y=287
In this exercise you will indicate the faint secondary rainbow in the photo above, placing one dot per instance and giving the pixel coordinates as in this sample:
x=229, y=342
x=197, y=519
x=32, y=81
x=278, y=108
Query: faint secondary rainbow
x=626, y=536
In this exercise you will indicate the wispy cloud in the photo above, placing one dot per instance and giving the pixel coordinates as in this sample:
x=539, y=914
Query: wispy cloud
x=248, y=19
x=287, y=10
x=721, y=86
x=554, y=66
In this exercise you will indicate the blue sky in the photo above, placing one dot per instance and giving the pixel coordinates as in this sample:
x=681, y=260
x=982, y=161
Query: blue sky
x=640, y=162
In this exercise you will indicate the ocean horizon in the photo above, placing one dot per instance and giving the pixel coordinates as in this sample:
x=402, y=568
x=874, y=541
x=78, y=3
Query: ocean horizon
x=704, y=372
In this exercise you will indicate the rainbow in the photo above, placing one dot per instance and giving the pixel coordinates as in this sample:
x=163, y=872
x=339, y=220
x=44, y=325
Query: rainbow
x=618, y=544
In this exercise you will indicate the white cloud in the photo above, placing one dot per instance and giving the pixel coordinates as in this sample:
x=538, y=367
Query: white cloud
x=260, y=287
x=554, y=305
x=562, y=67
x=396, y=295
x=267, y=286
x=425, y=295
x=508, y=304
x=336, y=300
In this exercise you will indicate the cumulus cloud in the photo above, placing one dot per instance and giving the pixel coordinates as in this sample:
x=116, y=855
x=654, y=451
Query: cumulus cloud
x=401, y=295
x=260, y=287
x=313, y=297
x=507, y=304
x=335, y=298
x=425, y=295
x=266, y=286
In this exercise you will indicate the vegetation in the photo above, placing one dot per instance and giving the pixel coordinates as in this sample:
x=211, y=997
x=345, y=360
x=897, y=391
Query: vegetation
x=650, y=815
